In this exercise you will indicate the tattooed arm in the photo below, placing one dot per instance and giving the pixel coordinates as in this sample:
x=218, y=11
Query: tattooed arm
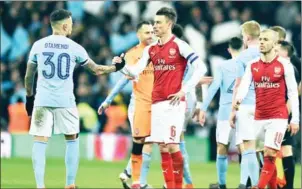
x=98, y=69
x=29, y=78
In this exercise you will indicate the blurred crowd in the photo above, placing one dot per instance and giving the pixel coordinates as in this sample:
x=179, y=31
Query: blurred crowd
x=107, y=28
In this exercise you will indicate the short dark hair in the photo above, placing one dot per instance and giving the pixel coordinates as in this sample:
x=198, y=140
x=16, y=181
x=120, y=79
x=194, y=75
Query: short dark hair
x=60, y=14
x=235, y=43
x=280, y=30
x=288, y=47
x=139, y=25
x=178, y=30
x=169, y=13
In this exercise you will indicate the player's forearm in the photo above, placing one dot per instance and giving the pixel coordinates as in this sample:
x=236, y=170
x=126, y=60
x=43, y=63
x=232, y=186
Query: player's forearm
x=235, y=91
x=117, y=88
x=30, y=79
x=211, y=93
x=101, y=70
x=199, y=70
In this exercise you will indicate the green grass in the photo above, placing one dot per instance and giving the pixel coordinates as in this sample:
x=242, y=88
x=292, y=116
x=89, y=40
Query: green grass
x=18, y=173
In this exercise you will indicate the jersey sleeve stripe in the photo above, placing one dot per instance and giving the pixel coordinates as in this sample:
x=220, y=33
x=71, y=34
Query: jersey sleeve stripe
x=193, y=59
x=189, y=56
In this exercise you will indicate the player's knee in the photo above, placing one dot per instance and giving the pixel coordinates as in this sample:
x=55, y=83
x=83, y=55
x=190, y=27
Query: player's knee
x=147, y=148
x=139, y=140
x=270, y=152
x=137, y=148
x=173, y=148
x=249, y=145
x=41, y=138
x=221, y=149
x=286, y=150
x=71, y=137
x=163, y=148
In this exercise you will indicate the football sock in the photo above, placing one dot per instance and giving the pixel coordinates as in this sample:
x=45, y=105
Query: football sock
x=136, y=161
x=167, y=168
x=221, y=166
x=38, y=159
x=178, y=166
x=71, y=160
x=289, y=171
x=128, y=167
x=145, y=168
x=267, y=171
x=244, y=168
x=253, y=166
x=187, y=174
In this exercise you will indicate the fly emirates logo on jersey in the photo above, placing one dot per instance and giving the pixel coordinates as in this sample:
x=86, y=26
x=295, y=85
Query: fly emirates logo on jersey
x=162, y=65
x=266, y=83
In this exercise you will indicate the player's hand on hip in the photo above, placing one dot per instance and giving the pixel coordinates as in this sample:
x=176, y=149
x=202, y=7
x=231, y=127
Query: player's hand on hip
x=206, y=80
x=232, y=119
x=103, y=107
x=202, y=117
x=293, y=128
x=175, y=98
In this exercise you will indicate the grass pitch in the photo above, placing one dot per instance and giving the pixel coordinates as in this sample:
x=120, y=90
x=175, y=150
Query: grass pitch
x=18, y=173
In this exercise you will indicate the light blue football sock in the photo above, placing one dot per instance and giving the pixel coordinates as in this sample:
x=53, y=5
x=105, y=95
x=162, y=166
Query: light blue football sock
x=244, y=168
x=128, y=167
x=71, y=160
x=38, y=159
x=221, y=166
x=145, y=168
x=186, y=172
x=253, y=166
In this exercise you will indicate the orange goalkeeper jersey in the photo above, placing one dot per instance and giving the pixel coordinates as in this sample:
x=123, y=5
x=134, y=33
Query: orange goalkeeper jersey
x=142, y=88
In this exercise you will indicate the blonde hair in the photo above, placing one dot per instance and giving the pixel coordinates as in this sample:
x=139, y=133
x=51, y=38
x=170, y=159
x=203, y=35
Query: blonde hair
x=280, y=30
x=251, y=28
x=274, y=33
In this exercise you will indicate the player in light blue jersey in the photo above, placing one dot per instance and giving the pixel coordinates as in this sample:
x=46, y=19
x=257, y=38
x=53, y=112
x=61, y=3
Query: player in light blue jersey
x=53, y=108
x=245, y=116
x=224, y=80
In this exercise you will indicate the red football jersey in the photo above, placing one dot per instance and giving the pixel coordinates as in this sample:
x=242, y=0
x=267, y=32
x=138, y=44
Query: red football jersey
x=169, y=62
x=272, y=81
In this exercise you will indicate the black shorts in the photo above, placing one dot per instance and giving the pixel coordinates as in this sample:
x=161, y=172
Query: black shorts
x=288, y=140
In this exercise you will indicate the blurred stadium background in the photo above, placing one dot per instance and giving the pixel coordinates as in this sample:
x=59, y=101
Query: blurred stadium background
x=105, y=29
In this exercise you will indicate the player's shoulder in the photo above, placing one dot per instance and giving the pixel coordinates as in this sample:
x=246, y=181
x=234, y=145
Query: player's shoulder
x=179, y=42
x=248, y=54
x=253, y=61
x=283, y=61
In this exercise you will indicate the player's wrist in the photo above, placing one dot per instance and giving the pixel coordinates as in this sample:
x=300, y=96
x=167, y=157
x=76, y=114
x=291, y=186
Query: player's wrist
x=119, y=66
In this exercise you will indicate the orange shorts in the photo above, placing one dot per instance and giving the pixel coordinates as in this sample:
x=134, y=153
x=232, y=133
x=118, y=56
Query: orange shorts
x=141, y=123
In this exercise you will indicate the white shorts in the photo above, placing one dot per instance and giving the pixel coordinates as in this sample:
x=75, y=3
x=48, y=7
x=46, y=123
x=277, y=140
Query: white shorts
x=224, y=132
x=167, y=122
x=245, y=128
x=190, y=108
x=271, y=132
x=48, y=120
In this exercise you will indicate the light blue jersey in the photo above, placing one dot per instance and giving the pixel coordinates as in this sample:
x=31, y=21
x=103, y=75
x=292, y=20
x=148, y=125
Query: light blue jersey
x=225, y=80
x=56, y=57
x=242, y=60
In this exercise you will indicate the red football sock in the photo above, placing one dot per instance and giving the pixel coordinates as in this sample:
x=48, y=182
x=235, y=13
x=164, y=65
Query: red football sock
x=178, y=165
x=272, y=184
x=167, y=167
x=267, y=172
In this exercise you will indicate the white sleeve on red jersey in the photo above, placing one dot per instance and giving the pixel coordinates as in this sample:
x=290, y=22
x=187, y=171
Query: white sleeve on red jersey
x=198, y=66
x=292, y=89
x=245, y=83
x=135, y=70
